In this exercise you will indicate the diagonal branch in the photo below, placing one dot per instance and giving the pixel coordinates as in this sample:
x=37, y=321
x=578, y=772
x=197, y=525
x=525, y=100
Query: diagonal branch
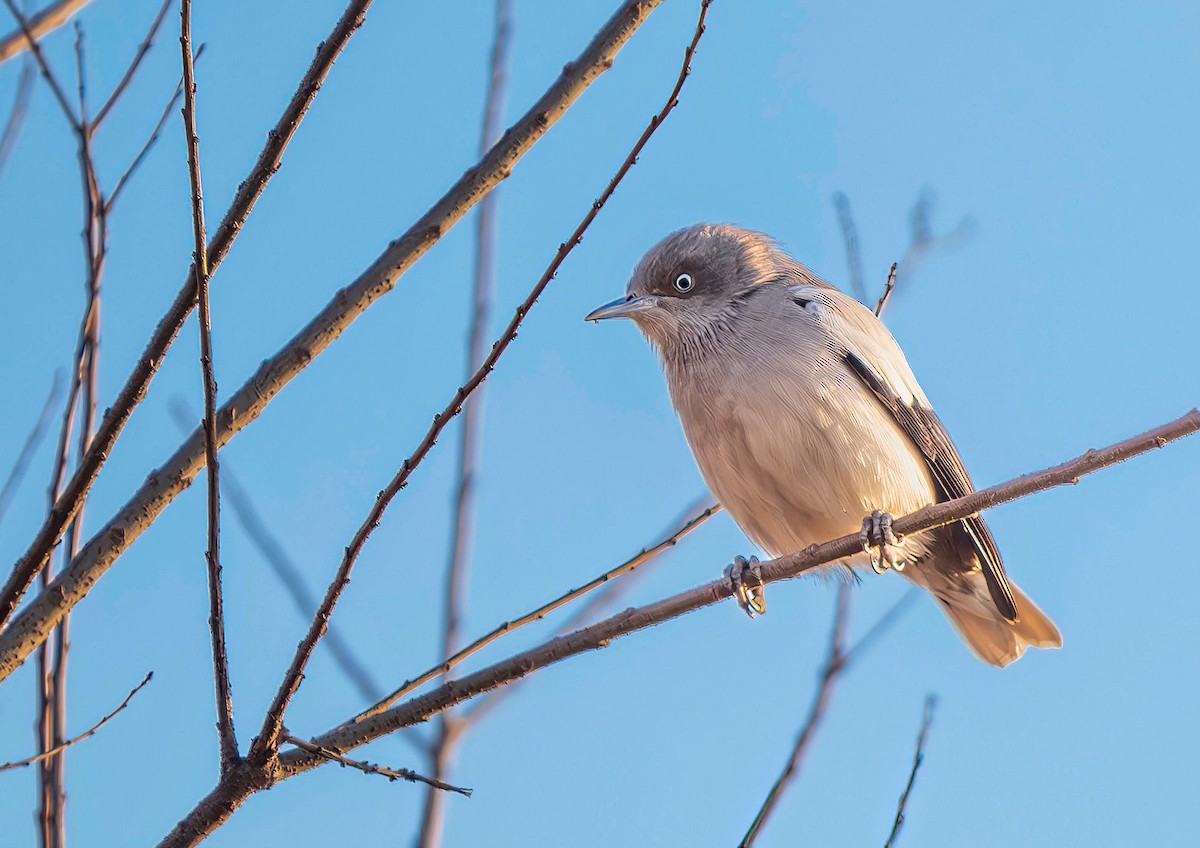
x=130, y=71
x=150, y=142
x=918, y=758
x=134, y=390
x=20, y=108
x=164, y=484
x=91, y=731
x=834, y=665
x=28, y=37
x=610, y=591
x=642, y=557
x=353, y=733
x=32, y=441
x=44, y=22
x=216, y=614
x=371, y=768
x=268, y=738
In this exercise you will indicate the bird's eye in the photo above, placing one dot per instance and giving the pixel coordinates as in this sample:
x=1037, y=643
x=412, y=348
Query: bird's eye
x=683, y=283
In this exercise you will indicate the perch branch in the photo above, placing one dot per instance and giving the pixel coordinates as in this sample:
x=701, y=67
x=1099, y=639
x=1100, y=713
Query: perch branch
x=358, y=731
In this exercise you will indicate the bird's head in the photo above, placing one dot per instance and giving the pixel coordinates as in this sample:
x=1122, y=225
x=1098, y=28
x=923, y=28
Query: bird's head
x=695, y=279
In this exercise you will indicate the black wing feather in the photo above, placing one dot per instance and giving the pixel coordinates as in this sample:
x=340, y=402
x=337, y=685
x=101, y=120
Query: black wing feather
x=929, y=435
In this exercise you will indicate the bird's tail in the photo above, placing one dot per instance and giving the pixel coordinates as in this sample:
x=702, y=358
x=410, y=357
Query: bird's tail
x=995, y=640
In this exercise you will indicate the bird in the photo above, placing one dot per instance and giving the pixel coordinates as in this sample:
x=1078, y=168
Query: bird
x=807, y=424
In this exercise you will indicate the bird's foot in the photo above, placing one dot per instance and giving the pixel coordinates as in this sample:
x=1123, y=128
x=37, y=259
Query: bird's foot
x=880, y=543
x=744, y=579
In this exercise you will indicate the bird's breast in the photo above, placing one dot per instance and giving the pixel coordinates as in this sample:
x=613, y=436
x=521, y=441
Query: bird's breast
x=794, y=448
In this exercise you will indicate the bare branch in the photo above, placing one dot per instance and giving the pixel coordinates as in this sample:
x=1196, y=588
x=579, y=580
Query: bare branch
x=921, y=243
x=38, y=26
x=16, y=117
x=359, y=731
x=87, y=733
x=142, y=50
x=463, y=523
x=918, y=757
x=29, y=39
x=32, y=442
x=696, y=513
x=268, y=737
x=887, y=292
x=150, y=142
x=289, y=575
x=216, y=613
x=31, y=627
x=642, y=557
x=841, y=204
x=834, y=665
x=370, y=768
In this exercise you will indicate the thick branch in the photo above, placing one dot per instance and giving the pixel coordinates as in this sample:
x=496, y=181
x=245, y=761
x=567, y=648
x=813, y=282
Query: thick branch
x=216, y=610
x=354, y=732
x=134, y=390
x=41, y=24
x=30, y=628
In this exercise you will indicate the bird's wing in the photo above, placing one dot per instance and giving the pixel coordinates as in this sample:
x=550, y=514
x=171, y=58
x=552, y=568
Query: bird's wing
x=922, y=425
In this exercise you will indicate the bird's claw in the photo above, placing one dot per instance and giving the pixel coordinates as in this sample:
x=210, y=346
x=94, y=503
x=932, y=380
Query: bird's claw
x=880, y=543
x=744, y=579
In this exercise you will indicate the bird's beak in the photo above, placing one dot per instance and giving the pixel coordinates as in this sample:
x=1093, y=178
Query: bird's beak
x=623, y=307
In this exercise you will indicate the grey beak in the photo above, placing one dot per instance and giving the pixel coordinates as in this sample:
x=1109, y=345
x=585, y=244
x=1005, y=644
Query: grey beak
x=623, y=307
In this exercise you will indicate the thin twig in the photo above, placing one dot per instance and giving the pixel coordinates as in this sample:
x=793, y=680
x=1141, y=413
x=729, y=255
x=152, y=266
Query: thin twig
x=142, y=50
x=16, y=117
x=216, y=614
x=371, y=768
x=642, y=557
x=87, y=733
x=32, y=442
x=837, y=664
x=354, y=732
x=921, y=243
x=699, y=511
x=458, y=568
x=888, y=288
x=150, y=142
x=833, y=668
x=267, y=741
x=918, y=757
x=38, y=26
x=284, y=568
x=841, y=205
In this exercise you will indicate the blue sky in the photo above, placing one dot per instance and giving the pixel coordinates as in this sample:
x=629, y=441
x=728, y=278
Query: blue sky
x=1067, y=134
